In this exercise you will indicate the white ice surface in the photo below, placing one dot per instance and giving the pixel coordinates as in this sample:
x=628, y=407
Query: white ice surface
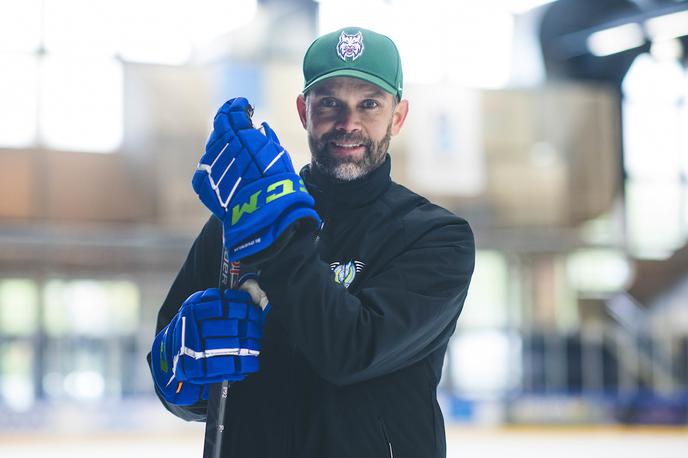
x=588, y=442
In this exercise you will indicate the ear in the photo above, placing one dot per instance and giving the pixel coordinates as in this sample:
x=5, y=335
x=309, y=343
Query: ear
x=399, y=116
x=301, y=108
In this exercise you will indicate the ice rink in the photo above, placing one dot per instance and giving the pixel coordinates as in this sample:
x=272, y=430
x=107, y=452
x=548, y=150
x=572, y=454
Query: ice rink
x=463, y=442
x=555, y=130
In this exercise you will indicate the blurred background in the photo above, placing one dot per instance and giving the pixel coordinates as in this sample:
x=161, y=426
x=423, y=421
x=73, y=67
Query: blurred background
x=558, y=129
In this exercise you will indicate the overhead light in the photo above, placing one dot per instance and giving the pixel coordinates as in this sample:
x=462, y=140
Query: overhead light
x=668, y=26
x=667, y=50
x=616, y=39
x=523, y=6
x=208, y=20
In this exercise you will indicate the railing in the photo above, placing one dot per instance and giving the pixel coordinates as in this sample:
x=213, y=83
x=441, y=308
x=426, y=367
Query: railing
x=618, y=367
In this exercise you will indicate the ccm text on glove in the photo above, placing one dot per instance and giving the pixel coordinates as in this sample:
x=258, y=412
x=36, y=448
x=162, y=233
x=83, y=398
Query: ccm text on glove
x=246, y=178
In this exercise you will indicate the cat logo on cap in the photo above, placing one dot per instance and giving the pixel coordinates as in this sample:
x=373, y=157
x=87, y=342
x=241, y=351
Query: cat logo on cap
x=350, y=46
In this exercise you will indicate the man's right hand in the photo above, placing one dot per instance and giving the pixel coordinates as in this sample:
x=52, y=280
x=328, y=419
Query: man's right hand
x=247, y=180
x=214, y=337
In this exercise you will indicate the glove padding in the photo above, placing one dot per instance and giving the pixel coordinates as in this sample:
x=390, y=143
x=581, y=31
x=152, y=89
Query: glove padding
x=213, y=338
x=246, y=178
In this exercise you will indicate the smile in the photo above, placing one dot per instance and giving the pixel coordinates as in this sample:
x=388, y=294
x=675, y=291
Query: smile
x=347, y=145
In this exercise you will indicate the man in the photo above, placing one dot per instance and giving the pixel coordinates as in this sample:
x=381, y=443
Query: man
x=365, y=279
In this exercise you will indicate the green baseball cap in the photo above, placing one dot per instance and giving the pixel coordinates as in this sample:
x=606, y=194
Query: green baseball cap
x=355, y=52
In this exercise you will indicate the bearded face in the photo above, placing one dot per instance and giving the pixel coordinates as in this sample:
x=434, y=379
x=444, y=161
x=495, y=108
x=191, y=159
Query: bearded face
x=330, y=156
x=350, y=123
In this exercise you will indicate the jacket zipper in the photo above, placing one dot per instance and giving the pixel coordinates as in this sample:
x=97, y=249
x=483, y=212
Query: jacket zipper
x=386, y=436
x=320, y=230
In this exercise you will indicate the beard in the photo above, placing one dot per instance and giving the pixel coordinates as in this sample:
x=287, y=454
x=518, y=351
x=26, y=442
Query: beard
x=348, y=168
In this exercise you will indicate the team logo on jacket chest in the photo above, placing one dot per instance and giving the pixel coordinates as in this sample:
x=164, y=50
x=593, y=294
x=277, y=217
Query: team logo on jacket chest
x=345, y=272
x=350, y=46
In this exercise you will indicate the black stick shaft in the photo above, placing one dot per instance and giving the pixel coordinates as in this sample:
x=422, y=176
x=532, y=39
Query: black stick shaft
x=217, y=392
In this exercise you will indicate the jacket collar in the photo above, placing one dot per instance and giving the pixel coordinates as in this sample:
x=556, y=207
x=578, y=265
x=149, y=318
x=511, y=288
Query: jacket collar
x=327, y=191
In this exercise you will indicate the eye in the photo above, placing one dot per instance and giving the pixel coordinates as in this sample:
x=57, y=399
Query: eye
x=328, y=102
x=369, y=104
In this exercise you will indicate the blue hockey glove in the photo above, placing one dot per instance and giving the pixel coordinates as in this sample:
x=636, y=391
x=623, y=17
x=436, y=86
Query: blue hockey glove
x=247, y=180
x=214, y=337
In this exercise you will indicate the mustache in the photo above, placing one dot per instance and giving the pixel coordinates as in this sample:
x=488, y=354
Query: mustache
x=341, y=137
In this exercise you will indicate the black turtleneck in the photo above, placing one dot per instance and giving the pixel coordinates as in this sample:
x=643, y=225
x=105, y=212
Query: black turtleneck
x=328, y=191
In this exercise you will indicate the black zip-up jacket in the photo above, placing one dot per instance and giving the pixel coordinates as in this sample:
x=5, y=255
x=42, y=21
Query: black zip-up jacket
x=346, y=372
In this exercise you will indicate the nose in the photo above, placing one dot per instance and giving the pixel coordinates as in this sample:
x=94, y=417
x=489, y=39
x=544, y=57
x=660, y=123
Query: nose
x=348, y=120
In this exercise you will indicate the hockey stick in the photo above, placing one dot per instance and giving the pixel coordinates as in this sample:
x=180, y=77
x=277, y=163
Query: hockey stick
x=218, y=392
